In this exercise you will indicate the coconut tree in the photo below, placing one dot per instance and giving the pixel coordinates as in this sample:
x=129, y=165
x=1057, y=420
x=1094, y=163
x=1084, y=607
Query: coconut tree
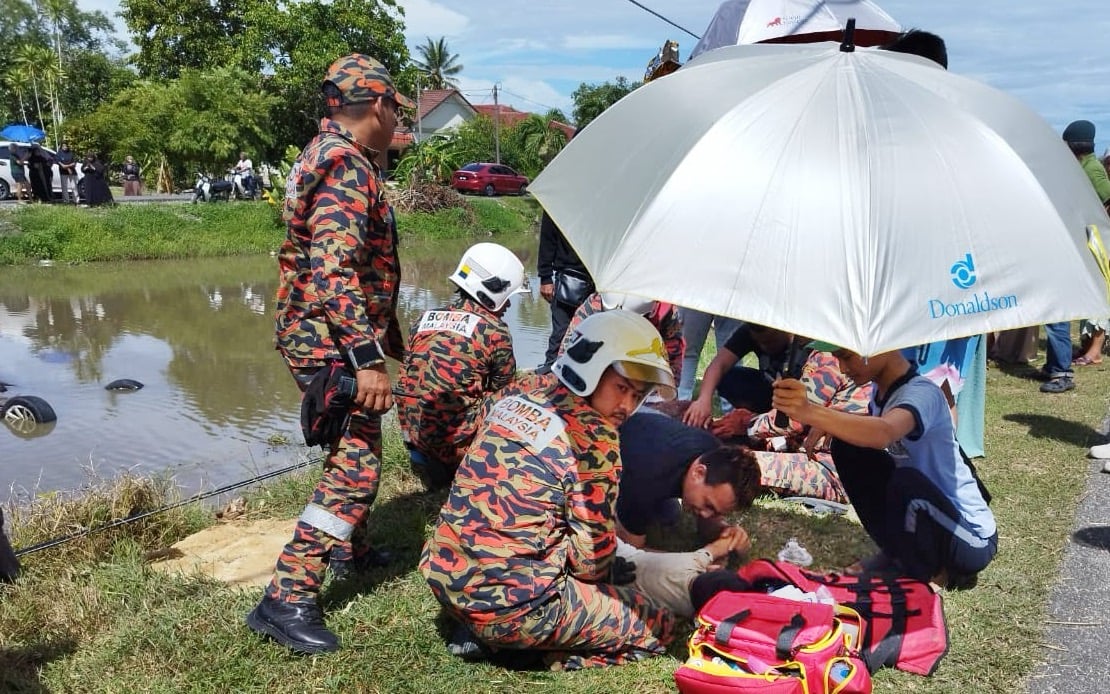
x=537, y=142
x=16, y=79
x=439, y=66
x=56, y=12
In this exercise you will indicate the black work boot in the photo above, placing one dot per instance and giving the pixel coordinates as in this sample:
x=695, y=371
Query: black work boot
x=299, y=626
x=345, y=569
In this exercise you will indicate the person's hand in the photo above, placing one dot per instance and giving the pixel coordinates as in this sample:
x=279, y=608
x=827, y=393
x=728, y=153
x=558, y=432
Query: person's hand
x=374, y=391
x=789, y=397
x=816, y=440
x=732, y=425
x=732, y=539
x=547, y=291
x=622, y=571
x=698, y=414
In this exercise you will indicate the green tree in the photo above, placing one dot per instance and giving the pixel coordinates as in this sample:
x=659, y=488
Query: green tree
x=197, y=122
x=534, y=143
x=591, y=99
x=555, y=114
x=438, y=66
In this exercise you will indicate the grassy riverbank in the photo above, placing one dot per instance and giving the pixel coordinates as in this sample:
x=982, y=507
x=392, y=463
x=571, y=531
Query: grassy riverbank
x=30, y=233
x=94, y=617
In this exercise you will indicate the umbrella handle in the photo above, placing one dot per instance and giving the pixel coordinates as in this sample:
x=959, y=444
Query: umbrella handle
x=781, y=420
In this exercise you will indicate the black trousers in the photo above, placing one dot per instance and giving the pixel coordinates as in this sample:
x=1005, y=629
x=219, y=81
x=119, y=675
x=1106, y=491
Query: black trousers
x=560, y=319
x=907, y=515
x=9, y=564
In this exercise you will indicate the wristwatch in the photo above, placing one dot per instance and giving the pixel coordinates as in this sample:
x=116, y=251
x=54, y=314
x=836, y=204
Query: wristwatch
x=365, y=356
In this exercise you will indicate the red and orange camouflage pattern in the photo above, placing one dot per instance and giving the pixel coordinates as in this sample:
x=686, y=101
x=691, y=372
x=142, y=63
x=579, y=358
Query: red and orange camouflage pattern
x=524, y=543
x=664, y=318
x=339, y=272
x=457, y=356
x=337, y=292
x=793, y=473
x=347, y=488
x=361, y=78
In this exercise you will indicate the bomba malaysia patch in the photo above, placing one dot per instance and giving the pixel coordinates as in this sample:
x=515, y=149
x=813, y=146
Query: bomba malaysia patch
x=459, y=322
x=535, y=426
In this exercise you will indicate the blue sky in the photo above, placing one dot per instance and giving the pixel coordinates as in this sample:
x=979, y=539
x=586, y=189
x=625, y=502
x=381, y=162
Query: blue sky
x=1054, y=54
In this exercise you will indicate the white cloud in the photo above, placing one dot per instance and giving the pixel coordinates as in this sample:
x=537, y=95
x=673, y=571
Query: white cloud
x=424, y=18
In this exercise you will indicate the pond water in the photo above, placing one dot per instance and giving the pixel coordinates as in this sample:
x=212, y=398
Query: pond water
x=199, y=335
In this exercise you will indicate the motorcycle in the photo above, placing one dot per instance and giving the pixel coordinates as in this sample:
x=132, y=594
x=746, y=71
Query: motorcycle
x=242, y=187
x=210, y=190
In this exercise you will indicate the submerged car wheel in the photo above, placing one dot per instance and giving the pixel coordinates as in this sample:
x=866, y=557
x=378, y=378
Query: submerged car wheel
x=27, y=408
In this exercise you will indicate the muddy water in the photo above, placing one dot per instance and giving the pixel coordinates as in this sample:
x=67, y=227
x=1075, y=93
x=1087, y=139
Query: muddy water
x=217, y=400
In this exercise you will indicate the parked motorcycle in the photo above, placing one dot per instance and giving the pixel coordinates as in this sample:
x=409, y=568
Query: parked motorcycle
x=210, y=190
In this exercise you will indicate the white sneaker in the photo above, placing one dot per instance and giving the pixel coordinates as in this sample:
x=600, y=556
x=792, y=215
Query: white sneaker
x=1102, y=452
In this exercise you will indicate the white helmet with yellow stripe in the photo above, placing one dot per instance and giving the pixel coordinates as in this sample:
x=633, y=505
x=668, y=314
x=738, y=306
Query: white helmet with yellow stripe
x=622, y=339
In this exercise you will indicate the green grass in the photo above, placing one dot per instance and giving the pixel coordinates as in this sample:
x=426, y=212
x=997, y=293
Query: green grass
x=30, y=233
x=96, y=618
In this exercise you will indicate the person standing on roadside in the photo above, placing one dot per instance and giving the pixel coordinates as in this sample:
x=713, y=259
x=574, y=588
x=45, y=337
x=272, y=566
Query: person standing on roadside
x=337, y=307
x=67, y=169
x=1057, y=370
x=564, y=283
x=17, y=160
x=245, y=168
x=132, y=178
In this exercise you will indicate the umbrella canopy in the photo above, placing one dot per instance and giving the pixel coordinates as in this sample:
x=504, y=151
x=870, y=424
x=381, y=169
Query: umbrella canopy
x=795, y=21
x=22, y=133
x=867, y=198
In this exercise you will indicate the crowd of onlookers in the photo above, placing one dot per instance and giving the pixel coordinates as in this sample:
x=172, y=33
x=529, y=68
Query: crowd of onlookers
x=32, y=170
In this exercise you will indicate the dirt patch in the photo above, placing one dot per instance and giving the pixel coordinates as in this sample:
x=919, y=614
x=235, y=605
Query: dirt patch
x=239, y=553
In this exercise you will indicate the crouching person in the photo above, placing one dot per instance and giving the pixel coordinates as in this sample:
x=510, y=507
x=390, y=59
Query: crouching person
x=915, y=493
x=524, y=551
x=457, y=356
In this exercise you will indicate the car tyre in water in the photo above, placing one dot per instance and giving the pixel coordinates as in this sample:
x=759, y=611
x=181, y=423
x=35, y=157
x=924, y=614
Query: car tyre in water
x=489, y=190
x=23, y=408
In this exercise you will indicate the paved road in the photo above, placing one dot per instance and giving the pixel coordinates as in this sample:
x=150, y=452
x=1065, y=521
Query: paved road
x=1077, y=654
x=154, y=197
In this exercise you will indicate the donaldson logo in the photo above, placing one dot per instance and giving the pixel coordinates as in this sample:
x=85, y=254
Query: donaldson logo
x=963, y=273
x=963, y=276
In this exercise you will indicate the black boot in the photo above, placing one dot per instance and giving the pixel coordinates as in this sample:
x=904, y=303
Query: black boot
x=346, y=569
x=298, y=626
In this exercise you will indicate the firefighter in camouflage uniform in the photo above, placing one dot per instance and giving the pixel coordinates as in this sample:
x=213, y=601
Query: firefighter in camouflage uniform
x=523, y=552
x=336, y=302
x=457, y=356
x=663, y=316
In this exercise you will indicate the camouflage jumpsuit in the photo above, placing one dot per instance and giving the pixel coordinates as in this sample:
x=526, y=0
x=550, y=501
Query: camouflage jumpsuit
x=336, y=298
x=524, y=543
x=793, y=473
x=457, y=356
x=664, y=318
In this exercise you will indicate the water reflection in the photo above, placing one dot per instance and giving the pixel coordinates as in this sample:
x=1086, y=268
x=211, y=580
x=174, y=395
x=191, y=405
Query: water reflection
x=199, y=335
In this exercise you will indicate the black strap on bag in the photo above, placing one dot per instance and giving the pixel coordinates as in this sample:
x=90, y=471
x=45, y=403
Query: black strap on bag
x=784, y=646
x=724, y=629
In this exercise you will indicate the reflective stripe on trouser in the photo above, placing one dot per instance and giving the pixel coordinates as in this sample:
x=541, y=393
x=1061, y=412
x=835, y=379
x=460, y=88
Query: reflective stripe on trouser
x=587, y=625
x=338, y=506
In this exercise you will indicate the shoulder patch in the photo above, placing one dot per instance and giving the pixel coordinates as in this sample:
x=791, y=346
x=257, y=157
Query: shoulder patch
x=535, y=425
x=459, y=322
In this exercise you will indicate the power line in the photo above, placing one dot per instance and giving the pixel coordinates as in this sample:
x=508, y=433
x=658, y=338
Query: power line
x=533, y=101
x=674, y=24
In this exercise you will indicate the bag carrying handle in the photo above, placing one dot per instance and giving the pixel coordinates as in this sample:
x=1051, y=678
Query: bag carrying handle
x=784, y=645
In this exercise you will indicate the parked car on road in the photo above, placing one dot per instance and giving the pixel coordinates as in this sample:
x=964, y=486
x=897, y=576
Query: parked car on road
x=490, y=179
x=7, y=185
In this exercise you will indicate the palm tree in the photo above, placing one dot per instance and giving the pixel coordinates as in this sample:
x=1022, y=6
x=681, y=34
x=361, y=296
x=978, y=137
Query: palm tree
x=439, y=64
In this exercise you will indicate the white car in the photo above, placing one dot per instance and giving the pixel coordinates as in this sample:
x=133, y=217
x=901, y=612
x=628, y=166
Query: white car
x=7, y=185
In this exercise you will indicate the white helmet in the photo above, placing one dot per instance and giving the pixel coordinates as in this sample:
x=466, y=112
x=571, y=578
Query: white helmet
x=621, y=339
x=489, y=273
x=636, y=304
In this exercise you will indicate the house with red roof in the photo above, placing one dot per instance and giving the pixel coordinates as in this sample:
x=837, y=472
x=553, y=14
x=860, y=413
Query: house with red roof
x=442, y=110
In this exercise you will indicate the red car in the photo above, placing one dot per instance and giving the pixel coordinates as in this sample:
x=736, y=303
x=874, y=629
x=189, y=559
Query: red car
x=491, y=179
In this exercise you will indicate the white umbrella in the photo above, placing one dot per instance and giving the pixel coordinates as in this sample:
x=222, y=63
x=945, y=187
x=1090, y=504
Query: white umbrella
x=755, y=21
x=867, y=198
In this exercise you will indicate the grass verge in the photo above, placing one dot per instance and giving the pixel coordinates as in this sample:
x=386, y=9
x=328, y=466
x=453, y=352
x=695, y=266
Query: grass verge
x=98, y=619
x=30, y=233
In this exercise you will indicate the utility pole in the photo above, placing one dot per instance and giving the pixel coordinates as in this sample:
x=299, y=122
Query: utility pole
x=419, y=126
x=496, y=128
